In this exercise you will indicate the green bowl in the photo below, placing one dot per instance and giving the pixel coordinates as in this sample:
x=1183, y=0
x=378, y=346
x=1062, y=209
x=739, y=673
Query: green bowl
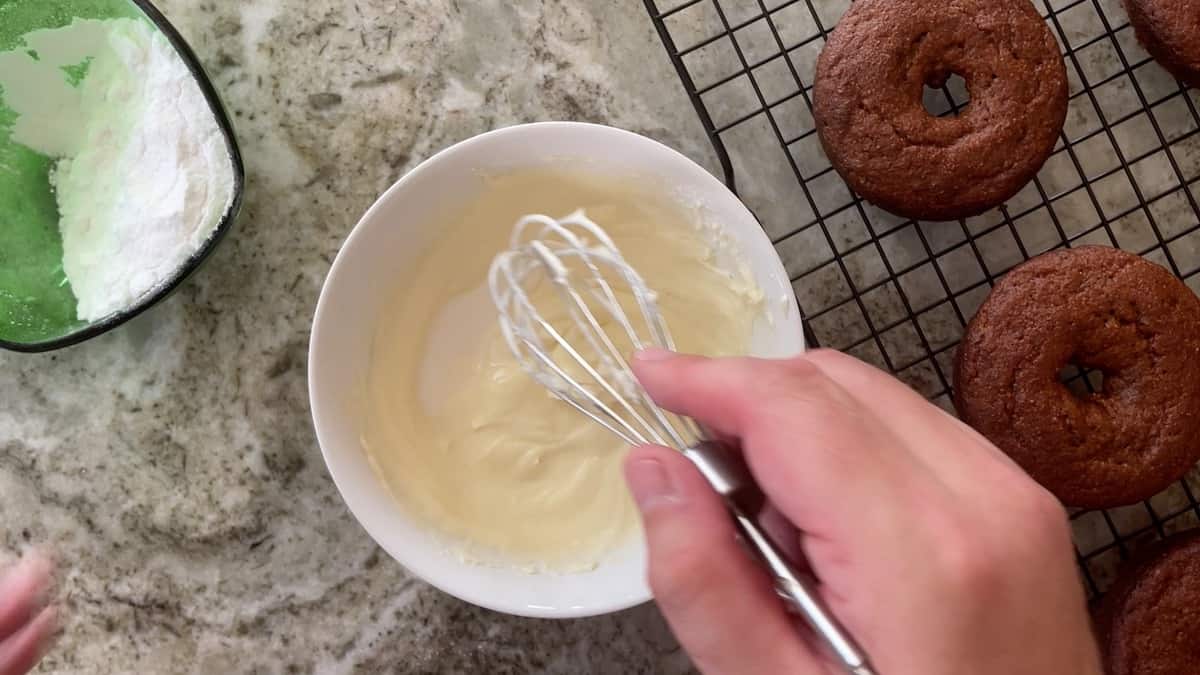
x=37, y=305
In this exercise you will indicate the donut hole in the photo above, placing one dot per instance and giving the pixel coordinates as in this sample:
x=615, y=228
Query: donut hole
x=945, y=95
x=1082, y=381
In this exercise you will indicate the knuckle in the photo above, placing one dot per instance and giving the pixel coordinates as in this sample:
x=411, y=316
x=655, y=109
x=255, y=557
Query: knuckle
x=1043, y=515
x=968, y=565
x=822, y=356
x=1031, y=508
x=800, y=377
x=805, y=392
x=800, y=380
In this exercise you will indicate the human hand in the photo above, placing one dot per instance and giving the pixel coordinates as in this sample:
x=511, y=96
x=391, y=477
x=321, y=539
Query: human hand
x=26, y=624
x=932, y=548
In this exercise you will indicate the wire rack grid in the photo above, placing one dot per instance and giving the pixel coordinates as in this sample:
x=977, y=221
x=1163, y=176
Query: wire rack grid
x=898, y=293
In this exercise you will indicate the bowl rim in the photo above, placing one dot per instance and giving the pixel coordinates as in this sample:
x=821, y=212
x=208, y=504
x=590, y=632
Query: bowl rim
x=320, y=413
x=197, y=259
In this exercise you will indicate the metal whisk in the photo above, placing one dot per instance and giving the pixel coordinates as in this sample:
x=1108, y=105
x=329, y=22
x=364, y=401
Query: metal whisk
x=570, y=308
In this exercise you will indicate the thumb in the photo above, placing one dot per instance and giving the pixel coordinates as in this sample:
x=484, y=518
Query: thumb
x=719, y=604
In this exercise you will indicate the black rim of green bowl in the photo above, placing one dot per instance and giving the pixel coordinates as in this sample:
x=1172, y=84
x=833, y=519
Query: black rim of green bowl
x=198, y=258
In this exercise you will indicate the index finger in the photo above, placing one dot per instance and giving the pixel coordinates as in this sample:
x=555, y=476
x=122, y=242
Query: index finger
x=811, y=445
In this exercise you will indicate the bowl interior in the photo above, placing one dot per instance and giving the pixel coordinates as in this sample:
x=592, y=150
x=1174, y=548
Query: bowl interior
x=37, y=304
x=392, y=236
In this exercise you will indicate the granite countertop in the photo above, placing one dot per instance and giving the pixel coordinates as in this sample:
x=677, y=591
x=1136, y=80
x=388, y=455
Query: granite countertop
x=172, y=466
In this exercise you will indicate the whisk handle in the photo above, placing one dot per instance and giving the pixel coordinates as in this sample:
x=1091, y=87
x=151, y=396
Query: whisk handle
x=727, y=472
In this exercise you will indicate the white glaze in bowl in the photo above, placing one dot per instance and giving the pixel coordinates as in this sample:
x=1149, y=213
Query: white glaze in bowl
x=393, y=235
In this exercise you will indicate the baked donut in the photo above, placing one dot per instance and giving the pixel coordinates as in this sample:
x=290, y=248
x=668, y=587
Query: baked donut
x=869, y=114
x=1149, y=621
x=1099, y=308
x=1170, y=31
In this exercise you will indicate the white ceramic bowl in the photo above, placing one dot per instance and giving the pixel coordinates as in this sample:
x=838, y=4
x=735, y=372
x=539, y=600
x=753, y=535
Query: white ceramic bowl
x=393, y=235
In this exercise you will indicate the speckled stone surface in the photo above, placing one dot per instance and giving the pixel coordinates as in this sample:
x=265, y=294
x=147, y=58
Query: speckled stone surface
x=172, y=466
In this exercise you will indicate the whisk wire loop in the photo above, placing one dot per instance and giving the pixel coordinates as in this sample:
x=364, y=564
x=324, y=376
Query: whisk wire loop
x=578, y=258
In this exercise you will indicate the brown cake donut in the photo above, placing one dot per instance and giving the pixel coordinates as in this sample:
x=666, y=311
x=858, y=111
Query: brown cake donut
x=877, y=133
x=1099, y=308
x=1149, y=621
x=1170, y=31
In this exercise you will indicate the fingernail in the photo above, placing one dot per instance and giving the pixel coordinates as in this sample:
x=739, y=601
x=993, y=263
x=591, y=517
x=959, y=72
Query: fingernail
x=650, y=484
x=654, y=354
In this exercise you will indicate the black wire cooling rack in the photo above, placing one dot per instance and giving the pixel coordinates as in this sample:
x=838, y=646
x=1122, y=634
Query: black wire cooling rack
x=898, y=293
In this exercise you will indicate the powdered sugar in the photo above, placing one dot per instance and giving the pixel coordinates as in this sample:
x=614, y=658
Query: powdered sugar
x=145, y=175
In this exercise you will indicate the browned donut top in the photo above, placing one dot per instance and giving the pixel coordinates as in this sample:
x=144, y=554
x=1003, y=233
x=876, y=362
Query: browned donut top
x=1170, y=31
x=1099, y=308
x=874, y=127
x=1149, y=622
